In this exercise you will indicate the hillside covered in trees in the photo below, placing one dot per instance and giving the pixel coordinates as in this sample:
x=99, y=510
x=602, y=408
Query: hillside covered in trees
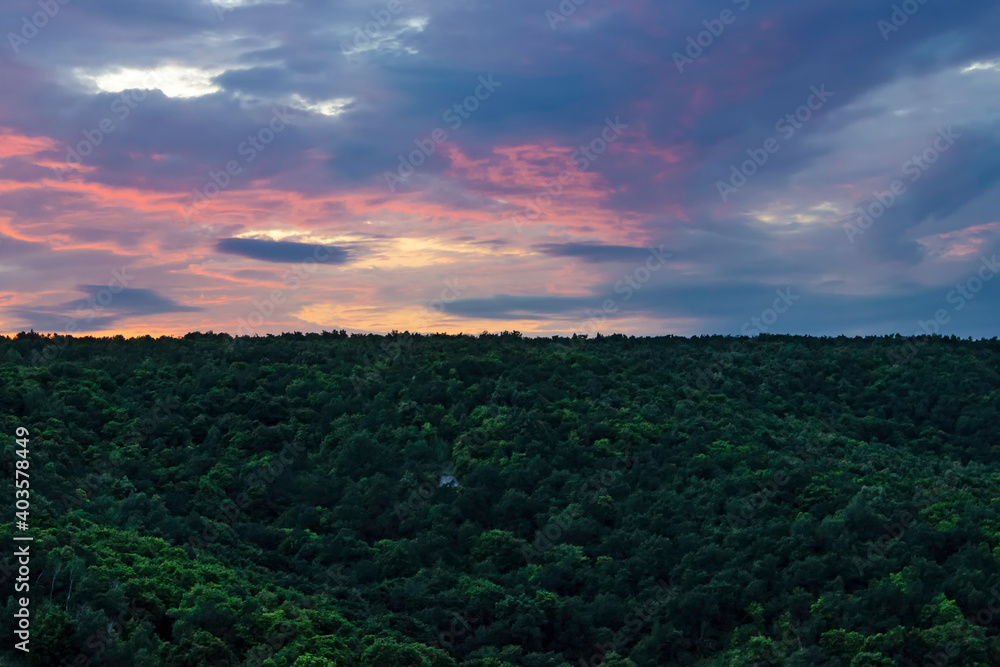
x=485, y=501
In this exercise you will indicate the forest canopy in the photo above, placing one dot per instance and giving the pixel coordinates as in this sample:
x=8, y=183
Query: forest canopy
x=312, y=500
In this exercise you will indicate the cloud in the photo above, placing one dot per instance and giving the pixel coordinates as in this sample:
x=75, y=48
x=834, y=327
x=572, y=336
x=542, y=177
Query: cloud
x=13, y=248
x=53, y=323
x=103, y=307
x=593, y=252
x=506, y=306
x=225, y=67
x=128, y=301
x=283, y=251
x=732, y=308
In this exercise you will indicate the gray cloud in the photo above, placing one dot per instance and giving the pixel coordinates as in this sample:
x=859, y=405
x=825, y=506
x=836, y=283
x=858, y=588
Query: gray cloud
x=283, y=251
x=593, y=252
x=103, y=307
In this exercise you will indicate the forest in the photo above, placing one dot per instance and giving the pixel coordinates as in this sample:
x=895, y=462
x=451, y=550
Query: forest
x=493, y=500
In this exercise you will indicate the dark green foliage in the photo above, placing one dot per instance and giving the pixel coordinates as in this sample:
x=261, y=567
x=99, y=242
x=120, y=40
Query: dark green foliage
x=276, y=502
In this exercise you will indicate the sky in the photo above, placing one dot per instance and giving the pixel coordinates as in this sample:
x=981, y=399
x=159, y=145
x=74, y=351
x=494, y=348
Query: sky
x=728, y=167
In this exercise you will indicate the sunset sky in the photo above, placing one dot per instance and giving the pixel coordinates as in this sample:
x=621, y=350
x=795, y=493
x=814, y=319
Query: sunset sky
x=688, y=167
